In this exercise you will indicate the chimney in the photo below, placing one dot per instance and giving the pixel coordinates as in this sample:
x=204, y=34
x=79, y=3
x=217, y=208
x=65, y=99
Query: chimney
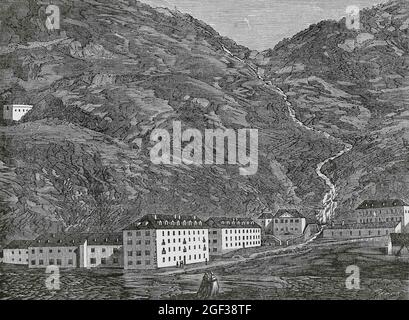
x=175, y=216
x=343, y=222
x=155, y=216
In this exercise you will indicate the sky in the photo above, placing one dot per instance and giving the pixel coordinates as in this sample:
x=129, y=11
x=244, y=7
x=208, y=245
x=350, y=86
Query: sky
x=261, y=24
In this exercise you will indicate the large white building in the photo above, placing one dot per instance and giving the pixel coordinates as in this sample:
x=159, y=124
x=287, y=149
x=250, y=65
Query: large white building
x=231, y=233
x=15, y=111
x=16, y=252
x=157, y=241
x=388, y=210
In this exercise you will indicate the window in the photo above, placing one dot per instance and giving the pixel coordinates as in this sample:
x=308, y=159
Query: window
x=148, y=242
x=103, y=250
x=51, y=262
x=214, y=240
x=214, y=231
x=51, y=250
x=139, y=262
x=129, y=233
x=93, y=261
x=103, y=260
x=58, y=262
x=138, y=233
x=40, y=262
x=70, y=261
x=129, y=253
x=138, y=253
x=147, y=262
x=147, y=253
x=41, y=250
x=115, y=260
x=130, y=262
x=32, y=251
x=129, y=242
x=92, y=250
x=33, y=262
x=147, y=233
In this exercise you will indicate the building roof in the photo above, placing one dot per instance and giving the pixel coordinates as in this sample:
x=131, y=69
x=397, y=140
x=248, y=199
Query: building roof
x=293, y=212
x=231, y=222
x=372, y=225
x=164, y=221
x=29, y=106
x=385, y=203
x=266, y=215
x=76, y=239
x=399, y=239
x=18, y=244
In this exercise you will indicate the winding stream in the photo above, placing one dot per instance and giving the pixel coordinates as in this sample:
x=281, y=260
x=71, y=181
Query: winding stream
x=329, y=203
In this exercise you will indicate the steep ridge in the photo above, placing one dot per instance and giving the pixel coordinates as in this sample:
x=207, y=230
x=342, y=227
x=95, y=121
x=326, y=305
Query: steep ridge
x=80, y=159
x=352, y=84
x=329, y=203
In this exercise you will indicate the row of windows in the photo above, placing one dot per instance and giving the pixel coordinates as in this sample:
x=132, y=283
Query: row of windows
x=51, y=262
x=18, y=110
x=102, y=261
x=253, y=237
x=138, y=253
x=247, y=243
x=12, y=259
x=291, y=229
x=138, y=262
x=33, y=251
x=138, y=242
x=380, y=219
x=240, y=231
x=184, y=249
x=369, y=232
x=368, y=212
x=139, y=233
x=189, y=258
x=19, y=252
x=286, y=220
x=169, y=233
x=239, y=244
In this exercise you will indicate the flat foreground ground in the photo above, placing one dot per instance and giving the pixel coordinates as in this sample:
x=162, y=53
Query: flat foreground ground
x=317, y=274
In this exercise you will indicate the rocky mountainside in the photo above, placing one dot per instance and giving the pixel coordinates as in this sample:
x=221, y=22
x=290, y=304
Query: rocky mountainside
x=353, y=84
x=114, y=72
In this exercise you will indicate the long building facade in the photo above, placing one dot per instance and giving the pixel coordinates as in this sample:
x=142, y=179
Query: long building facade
x=362, y=230
x=228, y=234
x=76, y=250
x=158, y=241
x=16, y=252
x=389, y=210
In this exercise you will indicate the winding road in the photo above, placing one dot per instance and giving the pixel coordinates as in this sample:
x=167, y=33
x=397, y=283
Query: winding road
x=329, y=203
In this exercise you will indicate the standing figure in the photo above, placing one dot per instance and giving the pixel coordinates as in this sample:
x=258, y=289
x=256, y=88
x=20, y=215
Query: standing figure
x=214, y=285
x=204, y=286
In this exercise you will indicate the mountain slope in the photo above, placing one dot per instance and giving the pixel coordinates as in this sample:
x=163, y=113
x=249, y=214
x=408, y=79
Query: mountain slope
x=353, y=84
x=114, y=72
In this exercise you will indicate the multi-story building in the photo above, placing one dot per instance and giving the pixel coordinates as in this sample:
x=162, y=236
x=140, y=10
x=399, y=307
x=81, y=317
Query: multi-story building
x=265, y=220
x=227, y=234
x=101, y=250
x=371, y=211
x=157, y=241
x=16, y=252
x=288, y=224
x=72, y=250
x=15, y=111
x=362, y=230
x=55, y=249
